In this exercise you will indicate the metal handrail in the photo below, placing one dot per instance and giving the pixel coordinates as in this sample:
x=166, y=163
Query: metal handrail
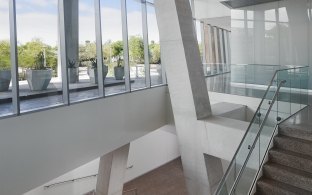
x=268, y=148
x=68, y=181
x=258, y=135
x=253, y=118
x=241, y=143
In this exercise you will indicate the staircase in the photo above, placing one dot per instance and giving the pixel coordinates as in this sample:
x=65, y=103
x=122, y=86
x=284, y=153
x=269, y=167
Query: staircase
x=289, y=168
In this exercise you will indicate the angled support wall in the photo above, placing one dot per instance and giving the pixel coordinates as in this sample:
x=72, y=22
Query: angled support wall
x=188, y=91
x=112, y=171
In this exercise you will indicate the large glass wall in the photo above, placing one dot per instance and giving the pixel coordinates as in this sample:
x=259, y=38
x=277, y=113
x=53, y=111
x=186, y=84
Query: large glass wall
x=212, y=25
x=82, y=71
x=136, y=44
x=58, y=52
x=5, y=61
x=113, y=45
x=154, y=47
x=40, y=83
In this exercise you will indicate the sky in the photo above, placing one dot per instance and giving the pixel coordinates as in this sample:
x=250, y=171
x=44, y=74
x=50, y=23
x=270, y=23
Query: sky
x=38, y=19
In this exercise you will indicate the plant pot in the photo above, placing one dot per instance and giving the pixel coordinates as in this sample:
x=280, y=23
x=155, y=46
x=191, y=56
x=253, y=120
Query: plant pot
x=38, y=80
x=105, y=71
x=73, y=75
x=5, y=79
x=93, y=74
x=119, y=72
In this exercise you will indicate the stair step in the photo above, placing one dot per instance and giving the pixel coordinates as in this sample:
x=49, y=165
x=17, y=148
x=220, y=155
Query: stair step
x=293, y=144
x=296, y=131
x=272, y=187
x=291, y=159
x=288, y=175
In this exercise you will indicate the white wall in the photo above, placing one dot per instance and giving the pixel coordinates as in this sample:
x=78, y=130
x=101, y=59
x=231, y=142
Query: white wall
x=210, y=9
x=276, y=33
x=146, y=153
x=47, y=144
x=72, y=188
x=152, y=151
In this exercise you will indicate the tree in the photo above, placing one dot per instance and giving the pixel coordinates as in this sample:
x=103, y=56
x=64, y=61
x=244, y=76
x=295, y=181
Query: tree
x=87, y=50
x=28, y=52
x=5, y=55
x=154, y=53
x=136, y=49
x=107, y=51
x=117, y=51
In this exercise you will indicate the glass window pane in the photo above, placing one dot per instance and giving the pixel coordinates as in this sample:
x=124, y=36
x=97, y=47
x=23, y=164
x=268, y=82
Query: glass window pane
x=154, y=47
x=136, y=45
x=112, y=46
x=39, y=68
x=82, y=65
x=5, y=62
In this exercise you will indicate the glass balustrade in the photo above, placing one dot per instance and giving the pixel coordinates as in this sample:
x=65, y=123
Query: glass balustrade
x=286, y=94
x=250, y=80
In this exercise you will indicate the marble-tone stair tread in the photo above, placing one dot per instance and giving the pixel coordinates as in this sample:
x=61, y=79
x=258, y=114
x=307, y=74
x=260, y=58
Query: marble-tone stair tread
x=298, y=131
x=296, y=154
x=291, y=159
x=285, y=174
x=294, y=138
x=293, y=144
x=267, y=186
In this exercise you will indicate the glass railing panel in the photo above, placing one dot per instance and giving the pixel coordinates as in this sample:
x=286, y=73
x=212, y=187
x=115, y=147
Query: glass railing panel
x=249, y=172
x=304, y=86
x=264, y=74
x=250, y=74
x=284, y=96
x=267, y=132
x=232, y=174
x=252, y=166
x=238, y=80
x=294, y=90
x=287, y=93
x=238, y=74
x=246, y=145
x=253, y=130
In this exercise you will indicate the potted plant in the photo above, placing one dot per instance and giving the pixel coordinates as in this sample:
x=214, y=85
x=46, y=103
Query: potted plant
x=39, y=76
x=92, y=71
x=5, y=77
x=119, y=71
x=117, y=51
x=73, y=72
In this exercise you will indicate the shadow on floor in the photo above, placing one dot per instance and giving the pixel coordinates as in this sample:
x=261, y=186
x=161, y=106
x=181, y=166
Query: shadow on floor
x=165, y=180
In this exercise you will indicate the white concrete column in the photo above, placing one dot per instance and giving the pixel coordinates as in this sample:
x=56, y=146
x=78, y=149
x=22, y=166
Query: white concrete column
x=112, y=170
x=188, y=91
x=181, y=55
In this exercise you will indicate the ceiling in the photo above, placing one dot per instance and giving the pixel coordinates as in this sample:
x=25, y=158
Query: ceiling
x=233, y=4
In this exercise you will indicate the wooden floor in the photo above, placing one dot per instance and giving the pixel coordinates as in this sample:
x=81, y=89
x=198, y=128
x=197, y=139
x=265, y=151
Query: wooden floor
x=165, y=180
